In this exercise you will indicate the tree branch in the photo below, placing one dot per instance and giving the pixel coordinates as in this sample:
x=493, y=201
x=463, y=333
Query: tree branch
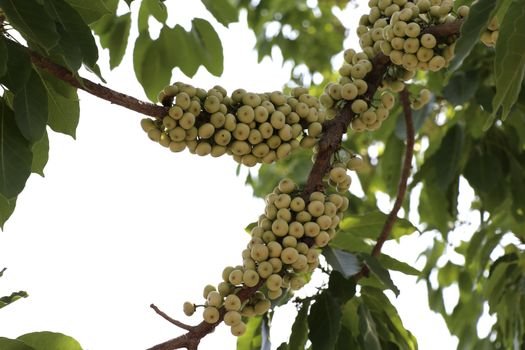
x=169, y=319
x=95, y=89
x=401, y=190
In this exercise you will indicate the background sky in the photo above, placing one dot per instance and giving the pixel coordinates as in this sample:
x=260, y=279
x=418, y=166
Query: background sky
x=119, y=222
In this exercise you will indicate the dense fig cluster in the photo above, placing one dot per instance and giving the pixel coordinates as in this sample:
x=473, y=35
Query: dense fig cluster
x=338, y=177
x=490, y=36
x=253, y=128
x=283, y=249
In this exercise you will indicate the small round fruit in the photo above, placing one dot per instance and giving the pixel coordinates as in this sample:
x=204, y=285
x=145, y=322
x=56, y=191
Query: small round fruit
x=188, y=308
x=210, y=314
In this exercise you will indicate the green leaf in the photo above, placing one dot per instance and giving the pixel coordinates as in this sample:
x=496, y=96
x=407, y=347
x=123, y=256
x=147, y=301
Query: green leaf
x=158, y=10
x=340, y=287
x=7, y=207
x=419, y=117
x=31, y=108
x=113, y=31
x=347, y=264
x=3, y=56
x=461, y=87
x=40, y=155
x=448, y=274
x=13, y=344
x=4, y=301
x=188, y=62
x=324, y=322
x=224, y=11
x=389, y=167
x=251, y=339
x=299, y=335
x=346, y=241
x=15, y=155
x=30, y=19
x=75, y=26
x=393, y=264
x=367, y=327
x=471, y=30
x=371, y=224
x=18, y=67
x=379, y=271
x=209, y=41
x=50, y=341
x=518, y=189
x=63, y=106
x=509, y=64
x=93, y=10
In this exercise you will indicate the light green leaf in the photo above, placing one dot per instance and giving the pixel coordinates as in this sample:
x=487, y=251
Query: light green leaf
x=190, y=61
x=50, y=341
x=208, y=39
x=114, y=32
x=15, y=155
x=345, y=240
x=448, y=274
x=63, y=106
x=251, y=339
x=13, y=344
x=223, y=11
x=31, y=108
x=346, y=263
x=471, y=29
x=324, y=322
x=379, y=271
x=40, y=155
x=371, y=224
x=4, y=301
x=7, y=207
x=157, y=9
x=368, y=330
x=30, y=19
x=93, y=10
x=509, y=65
x=299, y=335
x=393, y=264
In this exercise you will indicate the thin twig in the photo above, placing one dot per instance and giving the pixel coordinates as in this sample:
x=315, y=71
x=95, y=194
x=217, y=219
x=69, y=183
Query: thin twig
x=405, y=173
x=169, y=319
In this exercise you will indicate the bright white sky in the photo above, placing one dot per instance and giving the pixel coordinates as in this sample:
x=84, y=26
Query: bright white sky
x=119, y=222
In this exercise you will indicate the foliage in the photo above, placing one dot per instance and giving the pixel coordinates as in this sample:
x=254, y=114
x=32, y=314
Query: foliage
x=473, y=132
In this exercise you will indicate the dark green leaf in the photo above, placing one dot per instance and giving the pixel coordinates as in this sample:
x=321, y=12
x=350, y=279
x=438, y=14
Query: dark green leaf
x=18, y=67
x=379, y=271
x=7, y=206
x=368, y=330
x=178, y=37
x=471, y=29
x=93, y=10
x=113, y=31
x=283, y=346
x=346, y=340
x=74, y=25
x=223, y=10
x=517, y=182
x=509, y=65
x=448, y=274
x=347, y=264
x=445, y=162
x=3, y=56
x=324, y=322
x=208, y=39
x=63, y=106
x=299, y=335
x=251, y=339
x=433, y=209
x=393, y=264
x=40, y=155
x=50, y=341
x=483, y=171
x=31, y=108
x=340, y=287
x=371, y=224
x=461, y=87
x=30, y=19
x=13, y=344
x=4, y=301
x=15, y=155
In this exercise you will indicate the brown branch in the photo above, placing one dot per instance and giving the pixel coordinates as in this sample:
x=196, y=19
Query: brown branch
x=405, y=173
x=95, y=89
x=445, y=30
x=169, y=319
